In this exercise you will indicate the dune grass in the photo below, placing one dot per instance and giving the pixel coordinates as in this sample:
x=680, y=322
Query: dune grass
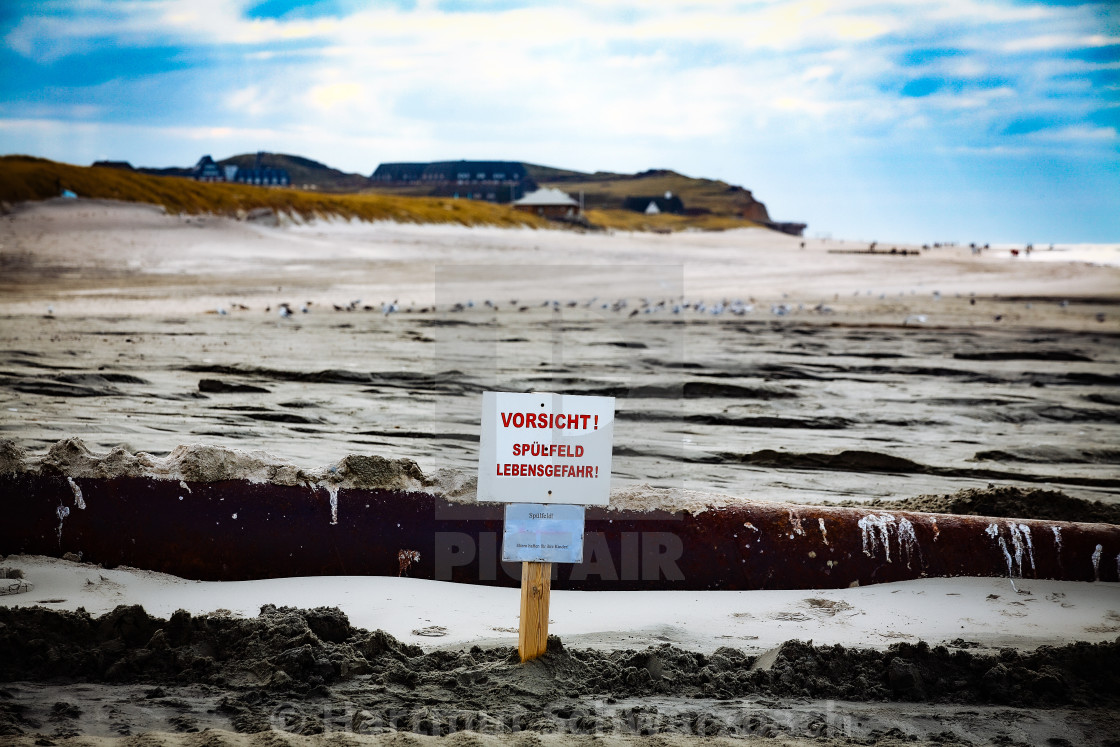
x=628, y=220
x=25, y=178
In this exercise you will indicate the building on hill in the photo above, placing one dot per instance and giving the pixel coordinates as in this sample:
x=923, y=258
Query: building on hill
x=548, y=203
x=652, y=205
x=263, y=176
x=492, y=181
x=399, y=173
x=207, y=171
x=259, y=175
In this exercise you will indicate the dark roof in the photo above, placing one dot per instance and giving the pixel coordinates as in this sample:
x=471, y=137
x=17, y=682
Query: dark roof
x=490, y=170
x=408, y=172
x=450, y=171
x=206, y=168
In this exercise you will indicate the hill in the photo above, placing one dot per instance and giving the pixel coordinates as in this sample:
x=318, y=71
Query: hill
x=25, y=178
x=321, y=190
x=608, y=191
x=305, y=173
x=608, y=197
x=604, y=193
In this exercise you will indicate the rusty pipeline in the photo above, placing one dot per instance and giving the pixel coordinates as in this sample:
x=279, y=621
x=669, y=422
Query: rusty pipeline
x=238, y=530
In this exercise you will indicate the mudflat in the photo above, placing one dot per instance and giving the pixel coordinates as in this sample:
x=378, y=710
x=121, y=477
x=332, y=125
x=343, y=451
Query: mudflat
x=744, y=363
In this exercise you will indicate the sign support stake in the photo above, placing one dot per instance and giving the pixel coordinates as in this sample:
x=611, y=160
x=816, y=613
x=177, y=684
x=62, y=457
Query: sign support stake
x=536, y=586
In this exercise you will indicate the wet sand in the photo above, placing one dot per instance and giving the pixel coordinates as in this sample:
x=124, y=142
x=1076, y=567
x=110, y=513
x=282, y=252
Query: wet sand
x=850, y=377
x=307, y=672
x=788, y=374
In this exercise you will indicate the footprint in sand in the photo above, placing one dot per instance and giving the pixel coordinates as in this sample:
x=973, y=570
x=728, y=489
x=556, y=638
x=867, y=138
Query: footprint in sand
x=1110, y=624
x=827, y=607
x=1058, y=597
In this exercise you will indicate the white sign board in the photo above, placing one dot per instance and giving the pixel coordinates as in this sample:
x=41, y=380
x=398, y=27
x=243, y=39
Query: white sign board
x=536, y=533
x=545, y=448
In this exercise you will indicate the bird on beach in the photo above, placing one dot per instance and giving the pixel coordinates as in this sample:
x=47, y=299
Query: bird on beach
x=285, y=311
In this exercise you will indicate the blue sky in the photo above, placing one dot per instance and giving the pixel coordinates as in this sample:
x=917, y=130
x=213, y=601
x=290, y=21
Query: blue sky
x=906, y=120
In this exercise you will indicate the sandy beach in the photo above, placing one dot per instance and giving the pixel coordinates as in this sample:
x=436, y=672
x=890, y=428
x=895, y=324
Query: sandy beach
x=721, y=347
x=744, y=364
x=684, y=640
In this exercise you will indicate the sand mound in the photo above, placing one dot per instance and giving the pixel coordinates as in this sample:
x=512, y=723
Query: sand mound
x=287, y=653
x=12, y=456
x=1005, y=501
x=205, y=463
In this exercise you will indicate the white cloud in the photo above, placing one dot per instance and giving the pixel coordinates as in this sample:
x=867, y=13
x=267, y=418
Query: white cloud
x=1050, y=42
x=333, y=95
x=694, y=84
x=1078, y=133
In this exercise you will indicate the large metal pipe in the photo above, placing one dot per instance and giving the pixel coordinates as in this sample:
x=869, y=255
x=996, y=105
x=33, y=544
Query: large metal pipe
x=237, y=529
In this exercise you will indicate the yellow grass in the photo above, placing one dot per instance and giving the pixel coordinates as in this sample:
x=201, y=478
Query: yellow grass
x=628, y=220
x=603, y=191
x=25, y=178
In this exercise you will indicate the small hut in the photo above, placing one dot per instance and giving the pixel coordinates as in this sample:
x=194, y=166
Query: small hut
x=548, y=203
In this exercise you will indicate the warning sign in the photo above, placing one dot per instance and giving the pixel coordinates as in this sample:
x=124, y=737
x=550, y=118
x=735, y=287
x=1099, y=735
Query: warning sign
x=545, y=448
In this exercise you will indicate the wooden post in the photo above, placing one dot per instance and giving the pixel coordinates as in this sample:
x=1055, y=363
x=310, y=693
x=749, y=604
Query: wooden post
x=536, y=585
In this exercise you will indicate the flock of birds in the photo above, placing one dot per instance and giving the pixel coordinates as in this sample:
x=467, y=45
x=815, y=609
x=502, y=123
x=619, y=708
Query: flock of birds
x=736, y=307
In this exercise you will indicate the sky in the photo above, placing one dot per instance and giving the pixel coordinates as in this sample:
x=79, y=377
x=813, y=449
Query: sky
x=892, y=120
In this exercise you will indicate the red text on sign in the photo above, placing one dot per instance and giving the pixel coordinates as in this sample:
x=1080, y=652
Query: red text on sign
x=558, y=421
x=546, y=470
x=548, y=450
